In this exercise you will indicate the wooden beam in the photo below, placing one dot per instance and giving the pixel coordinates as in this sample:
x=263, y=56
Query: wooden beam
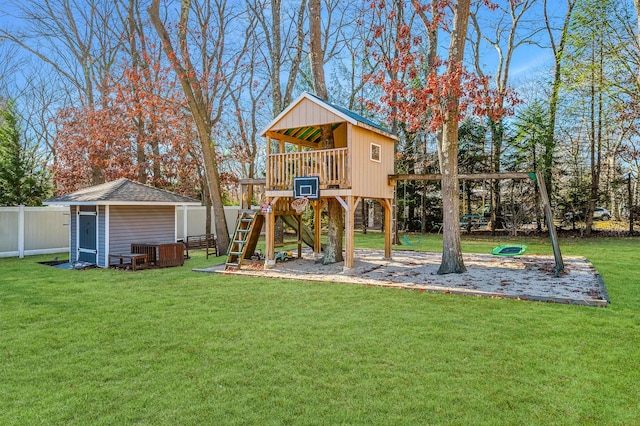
x=290, y=139
x=349, y=234
x=269, y=238
x=392, y=179
x=357, y=202
x=388, y=212
x=317, y=225
x=342, y=202
x=248, y=181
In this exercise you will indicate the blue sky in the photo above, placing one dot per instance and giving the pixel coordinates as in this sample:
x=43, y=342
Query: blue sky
x=529, y=61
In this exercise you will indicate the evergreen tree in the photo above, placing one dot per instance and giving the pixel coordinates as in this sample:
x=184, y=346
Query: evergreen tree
x=527, y=153
x=530, y=130
x=23, y=178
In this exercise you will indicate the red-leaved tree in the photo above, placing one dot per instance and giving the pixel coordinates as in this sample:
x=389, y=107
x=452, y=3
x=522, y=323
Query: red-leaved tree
x=141, y=131
x=434, y=94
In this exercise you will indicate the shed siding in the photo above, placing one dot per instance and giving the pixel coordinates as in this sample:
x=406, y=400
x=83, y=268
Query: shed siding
x=369, y=178
x=140, y=224
x=102, y=235
x=73, y=228
x=306, y=113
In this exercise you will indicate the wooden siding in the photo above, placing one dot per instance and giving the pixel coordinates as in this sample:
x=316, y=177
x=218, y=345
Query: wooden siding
x=140, y=224
x=306, y=113
x=340, y=136
x=369, y=178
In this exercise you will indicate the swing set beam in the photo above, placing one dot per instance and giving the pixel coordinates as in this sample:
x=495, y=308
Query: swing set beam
x=463, y=176
x=536, y=177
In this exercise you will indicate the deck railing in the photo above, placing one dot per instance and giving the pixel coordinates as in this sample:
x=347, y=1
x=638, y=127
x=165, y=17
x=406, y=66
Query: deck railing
x=330, y=165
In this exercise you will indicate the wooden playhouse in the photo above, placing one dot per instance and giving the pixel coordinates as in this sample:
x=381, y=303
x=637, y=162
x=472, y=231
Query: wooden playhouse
x=356, y=169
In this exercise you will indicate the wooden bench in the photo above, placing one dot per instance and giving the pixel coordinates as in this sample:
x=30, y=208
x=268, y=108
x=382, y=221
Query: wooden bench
x=136, y=260
x=204, y=241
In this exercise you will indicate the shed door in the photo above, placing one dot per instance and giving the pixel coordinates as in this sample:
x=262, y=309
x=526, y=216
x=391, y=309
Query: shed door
x=87, y=237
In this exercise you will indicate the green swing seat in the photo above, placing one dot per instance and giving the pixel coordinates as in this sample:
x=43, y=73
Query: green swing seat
x=509, y=250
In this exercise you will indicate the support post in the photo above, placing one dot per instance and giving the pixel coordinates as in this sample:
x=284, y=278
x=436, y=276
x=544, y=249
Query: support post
x=21, y=231
x=630, y=205
x=552, y=228
x=388, y=213
x=185, y=222
x=349, y=232
x=317, y=226
x=269, y=236
x=299, y=230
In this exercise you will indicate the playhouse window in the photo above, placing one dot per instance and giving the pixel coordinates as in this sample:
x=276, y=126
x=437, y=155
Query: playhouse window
x=374, y=153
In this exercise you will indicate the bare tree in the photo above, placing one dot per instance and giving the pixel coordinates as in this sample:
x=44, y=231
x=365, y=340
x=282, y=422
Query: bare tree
x=557, y=47
x=452, y=261
x=284, y=42
x=247, y=100
x=504, y=34
x=636, y=4
x=207, y=87
x=78, y=40
x=333, y=249
x=8, y=66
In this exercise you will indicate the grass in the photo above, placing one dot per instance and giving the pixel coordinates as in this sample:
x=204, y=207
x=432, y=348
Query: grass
x=177, y=347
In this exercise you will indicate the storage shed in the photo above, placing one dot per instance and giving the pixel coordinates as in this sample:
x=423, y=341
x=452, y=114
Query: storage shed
x=108, y=218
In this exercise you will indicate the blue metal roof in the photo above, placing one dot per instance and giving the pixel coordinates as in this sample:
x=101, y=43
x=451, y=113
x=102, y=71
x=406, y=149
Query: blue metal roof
x=353, y=115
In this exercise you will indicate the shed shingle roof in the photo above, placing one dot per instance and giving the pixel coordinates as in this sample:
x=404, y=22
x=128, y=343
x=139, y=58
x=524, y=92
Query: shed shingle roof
x=122, y=191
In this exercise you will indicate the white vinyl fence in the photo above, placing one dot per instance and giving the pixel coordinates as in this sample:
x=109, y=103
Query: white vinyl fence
x=33, y=230
x=27, y=231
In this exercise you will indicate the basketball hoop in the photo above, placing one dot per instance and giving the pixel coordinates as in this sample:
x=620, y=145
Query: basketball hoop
x=300, y=204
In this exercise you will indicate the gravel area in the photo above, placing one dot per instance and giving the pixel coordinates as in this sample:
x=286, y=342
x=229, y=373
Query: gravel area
x=521, y=277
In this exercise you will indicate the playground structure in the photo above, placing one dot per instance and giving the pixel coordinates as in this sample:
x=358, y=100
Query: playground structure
x=538, y=178
x=356, y=169
x=360, y=167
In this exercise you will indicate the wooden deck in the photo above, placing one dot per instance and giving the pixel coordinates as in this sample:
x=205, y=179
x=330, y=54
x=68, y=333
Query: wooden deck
x=330, y=165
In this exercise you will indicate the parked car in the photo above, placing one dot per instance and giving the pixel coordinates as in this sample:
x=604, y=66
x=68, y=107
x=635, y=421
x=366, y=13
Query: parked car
x=600, y=213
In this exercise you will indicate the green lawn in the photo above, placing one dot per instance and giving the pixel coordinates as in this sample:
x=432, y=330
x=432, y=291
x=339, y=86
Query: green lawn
x=177, y=347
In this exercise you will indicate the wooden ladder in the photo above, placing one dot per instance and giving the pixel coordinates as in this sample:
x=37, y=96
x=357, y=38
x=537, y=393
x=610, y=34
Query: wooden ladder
x=245, y=238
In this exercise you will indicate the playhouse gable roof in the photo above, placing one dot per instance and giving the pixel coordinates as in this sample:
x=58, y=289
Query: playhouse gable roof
x=122, y=192
x=310, y=111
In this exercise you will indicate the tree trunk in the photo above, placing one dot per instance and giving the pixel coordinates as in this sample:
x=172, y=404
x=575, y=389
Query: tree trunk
x=550, y=144
x=497, y=133
x=452, y=261
x=198, y=105
x=333, y=249
x=636, y=5
x=206, y=200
